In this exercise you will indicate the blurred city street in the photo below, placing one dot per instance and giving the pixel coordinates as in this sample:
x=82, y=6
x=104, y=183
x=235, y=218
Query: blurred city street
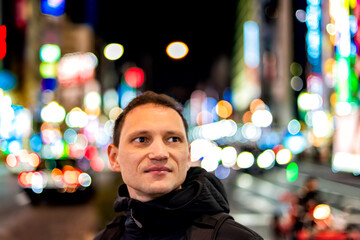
x=270, y=91
x=254, y=200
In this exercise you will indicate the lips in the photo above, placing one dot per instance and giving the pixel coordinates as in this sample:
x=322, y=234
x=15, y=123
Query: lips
x=158, y=169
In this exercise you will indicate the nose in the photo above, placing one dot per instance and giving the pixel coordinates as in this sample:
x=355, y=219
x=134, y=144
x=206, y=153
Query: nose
x=158, y=151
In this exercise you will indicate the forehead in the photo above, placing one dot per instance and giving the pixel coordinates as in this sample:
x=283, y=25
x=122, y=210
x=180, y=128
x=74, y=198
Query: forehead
x=150, y=115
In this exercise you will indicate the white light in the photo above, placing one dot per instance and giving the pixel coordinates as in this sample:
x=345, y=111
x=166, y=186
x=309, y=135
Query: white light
x=342, y=69
x=307, y=101
x=266, y=159
x=321, y=125
x=228, y=156
x=245, y=160
x=84, y=179
x=251, y=132
x=283, y=156
x=77, y=118
x=262, y=118
x=346, y=162
x=177, y=50
x=343, y=108
x=294, y=126
x=113, y=51
x=217, y=130
x=200, y=148
x=92, y=100
x=14, y=147
x=53, y=112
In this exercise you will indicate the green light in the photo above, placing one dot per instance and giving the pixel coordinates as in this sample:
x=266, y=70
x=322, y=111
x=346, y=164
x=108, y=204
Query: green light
x=48, y=70
x=292, y=172
x=50, y=53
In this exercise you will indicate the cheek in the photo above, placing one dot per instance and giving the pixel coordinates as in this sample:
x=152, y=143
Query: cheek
x=129, y=159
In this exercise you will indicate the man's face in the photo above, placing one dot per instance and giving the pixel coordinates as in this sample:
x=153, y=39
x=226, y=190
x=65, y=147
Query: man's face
x=153, y=155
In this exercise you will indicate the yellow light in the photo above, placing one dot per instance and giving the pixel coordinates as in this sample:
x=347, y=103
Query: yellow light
x=177, y=50
x=48, y=70
x=224, y=109
x=257, y=104
x=322, y=211
x=329, y=65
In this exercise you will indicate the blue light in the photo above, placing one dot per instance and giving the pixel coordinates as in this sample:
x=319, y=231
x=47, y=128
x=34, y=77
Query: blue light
x=353, y=24
x=7, y=80
x=295, y=143
x=70, y=135
x=268, y=140
x=48, y=84
x=313, y=36
x=36, y=143
x=53, y=7
x=227, y=95
x=222, y=172
x=251, y=44
x=353, y=49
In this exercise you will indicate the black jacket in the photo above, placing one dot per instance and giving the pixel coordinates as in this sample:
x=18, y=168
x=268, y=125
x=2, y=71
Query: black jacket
x=177, y=214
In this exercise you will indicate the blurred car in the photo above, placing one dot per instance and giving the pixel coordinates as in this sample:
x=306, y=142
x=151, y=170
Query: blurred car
x=57, y=181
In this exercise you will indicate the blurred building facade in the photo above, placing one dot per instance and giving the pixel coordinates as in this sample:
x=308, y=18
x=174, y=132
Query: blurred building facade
x=289, y=88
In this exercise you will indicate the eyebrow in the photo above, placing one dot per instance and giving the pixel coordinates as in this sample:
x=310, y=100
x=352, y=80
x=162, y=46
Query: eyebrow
x=145, y=132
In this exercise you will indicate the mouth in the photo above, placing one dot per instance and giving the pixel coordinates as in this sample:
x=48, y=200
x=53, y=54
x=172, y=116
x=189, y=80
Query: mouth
x=157, y=170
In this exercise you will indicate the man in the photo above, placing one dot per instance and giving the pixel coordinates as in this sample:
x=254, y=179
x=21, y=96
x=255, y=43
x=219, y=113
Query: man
x=163, y=197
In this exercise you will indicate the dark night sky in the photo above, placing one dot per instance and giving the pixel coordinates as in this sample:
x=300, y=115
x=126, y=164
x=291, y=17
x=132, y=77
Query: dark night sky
x=145, y=28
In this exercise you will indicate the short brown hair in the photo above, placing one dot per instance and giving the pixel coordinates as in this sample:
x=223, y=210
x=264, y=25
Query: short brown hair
x=147, y=98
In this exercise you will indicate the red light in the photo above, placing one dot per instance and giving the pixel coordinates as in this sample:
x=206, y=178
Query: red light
x=71, y=177
x=11, y=160
x=134, y=77
x=2, y=41
x=91, y=152
x=24, y=178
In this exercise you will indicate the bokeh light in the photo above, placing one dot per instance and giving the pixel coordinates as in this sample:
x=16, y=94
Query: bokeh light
x=294, y=126
x=224, y=109
x=134, y=77
x=8, y=80
x=262, y=118
x=228, y=156
x=53, y=112
x=76, y=118
x=283, y=156
x=92, y=100
x=113, y=51
x=322, y=211
x=177, y=50
x=245, y=160
x=292, y=172
x=50, y=53
x=266, y=159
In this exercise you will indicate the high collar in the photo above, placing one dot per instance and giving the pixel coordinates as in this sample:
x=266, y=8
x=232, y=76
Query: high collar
x=201, y=193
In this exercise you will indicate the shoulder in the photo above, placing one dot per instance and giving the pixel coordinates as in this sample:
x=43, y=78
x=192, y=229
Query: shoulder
x=113, y=230
x=220, y=226
x=234, y=230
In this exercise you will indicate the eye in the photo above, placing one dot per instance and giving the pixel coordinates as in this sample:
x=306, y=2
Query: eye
x=174, y=139
x=140, y=139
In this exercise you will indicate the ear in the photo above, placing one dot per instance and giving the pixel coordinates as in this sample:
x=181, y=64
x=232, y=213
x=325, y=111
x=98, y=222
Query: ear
x=112, y=151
